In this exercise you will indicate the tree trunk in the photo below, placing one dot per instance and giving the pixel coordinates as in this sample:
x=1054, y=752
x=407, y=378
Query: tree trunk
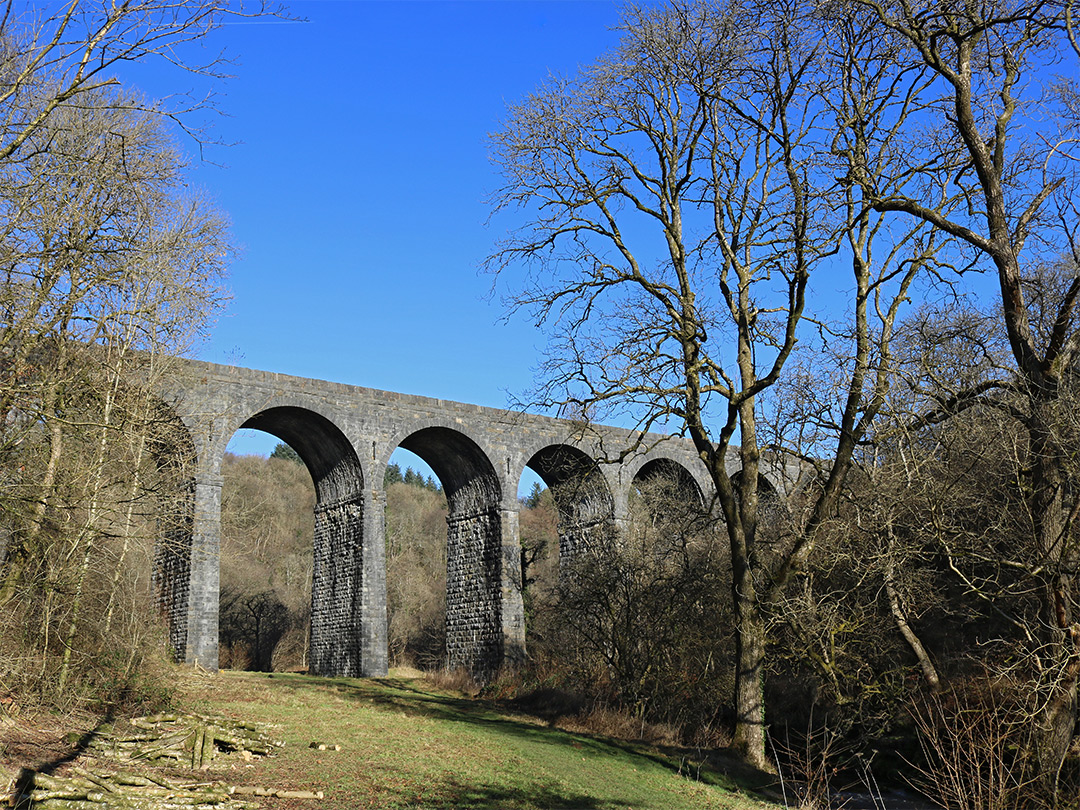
x=84, y=540
x=129, y=522
x=749, y=737
x=1056, y=700
x=25, y=547
x=930, y=673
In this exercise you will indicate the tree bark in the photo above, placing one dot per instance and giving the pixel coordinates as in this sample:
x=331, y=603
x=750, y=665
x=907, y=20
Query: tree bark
x=749, y=736
x=1056, y=709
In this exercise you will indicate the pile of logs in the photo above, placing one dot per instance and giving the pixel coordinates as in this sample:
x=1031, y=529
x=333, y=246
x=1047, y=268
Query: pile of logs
x=86, y=789
x=183, y=740
x=178, y=741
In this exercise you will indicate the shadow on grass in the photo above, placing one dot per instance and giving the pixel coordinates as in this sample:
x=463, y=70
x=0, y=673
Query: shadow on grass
x=411, y=698
x=23, y=784
x=452, y=793
x=407, y=697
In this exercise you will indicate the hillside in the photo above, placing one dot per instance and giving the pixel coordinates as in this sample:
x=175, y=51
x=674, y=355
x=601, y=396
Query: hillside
x=406, y=744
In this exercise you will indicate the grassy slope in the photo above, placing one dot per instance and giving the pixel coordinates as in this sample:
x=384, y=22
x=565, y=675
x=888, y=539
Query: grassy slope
x=406, y=744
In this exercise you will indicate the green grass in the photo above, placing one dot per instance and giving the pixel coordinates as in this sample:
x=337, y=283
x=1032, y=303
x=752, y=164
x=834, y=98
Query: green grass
x=407, y=745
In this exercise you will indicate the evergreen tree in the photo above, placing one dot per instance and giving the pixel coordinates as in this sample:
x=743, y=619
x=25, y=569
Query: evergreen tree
x=392, y=475
x=532, y=500
x=285, y=452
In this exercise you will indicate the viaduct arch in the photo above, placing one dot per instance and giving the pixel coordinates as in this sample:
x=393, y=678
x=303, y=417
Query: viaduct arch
x=345, y=436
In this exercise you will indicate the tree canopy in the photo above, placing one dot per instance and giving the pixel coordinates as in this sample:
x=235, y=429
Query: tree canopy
x=721, y=226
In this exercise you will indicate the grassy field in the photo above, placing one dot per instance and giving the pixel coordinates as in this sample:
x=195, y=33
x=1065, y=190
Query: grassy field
x=406, y=744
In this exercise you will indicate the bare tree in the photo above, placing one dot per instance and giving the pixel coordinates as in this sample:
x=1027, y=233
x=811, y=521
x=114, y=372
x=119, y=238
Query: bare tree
x=998, y=174
x=52, y=56
x=634, y=624
x=683, y=211
x=111, y=267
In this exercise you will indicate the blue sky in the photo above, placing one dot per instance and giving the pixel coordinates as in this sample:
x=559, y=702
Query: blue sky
x=356, y=182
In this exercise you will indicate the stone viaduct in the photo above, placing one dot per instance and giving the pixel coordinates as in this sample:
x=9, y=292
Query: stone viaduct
x=345, y=435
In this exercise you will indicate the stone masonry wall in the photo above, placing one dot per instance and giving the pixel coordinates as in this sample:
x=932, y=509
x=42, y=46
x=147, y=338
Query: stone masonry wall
x=204, y=575
x=336, y=640
x=172, y=571
x=473, y=590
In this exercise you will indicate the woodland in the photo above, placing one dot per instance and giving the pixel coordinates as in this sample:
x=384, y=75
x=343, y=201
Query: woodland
x=845, y=230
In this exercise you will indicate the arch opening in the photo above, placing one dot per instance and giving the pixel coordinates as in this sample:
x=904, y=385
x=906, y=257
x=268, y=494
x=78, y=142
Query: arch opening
x=324, y=449
x=668, y=511
x=773, y=511
x=582, y=498
x=267, y=532
x=484, y=618
x=343, y=637
x=415, y=562
x=671, y=478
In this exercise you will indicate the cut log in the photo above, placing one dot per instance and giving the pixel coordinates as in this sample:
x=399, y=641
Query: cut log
x=276, y=793
x=207, y=747
x=197, y=741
